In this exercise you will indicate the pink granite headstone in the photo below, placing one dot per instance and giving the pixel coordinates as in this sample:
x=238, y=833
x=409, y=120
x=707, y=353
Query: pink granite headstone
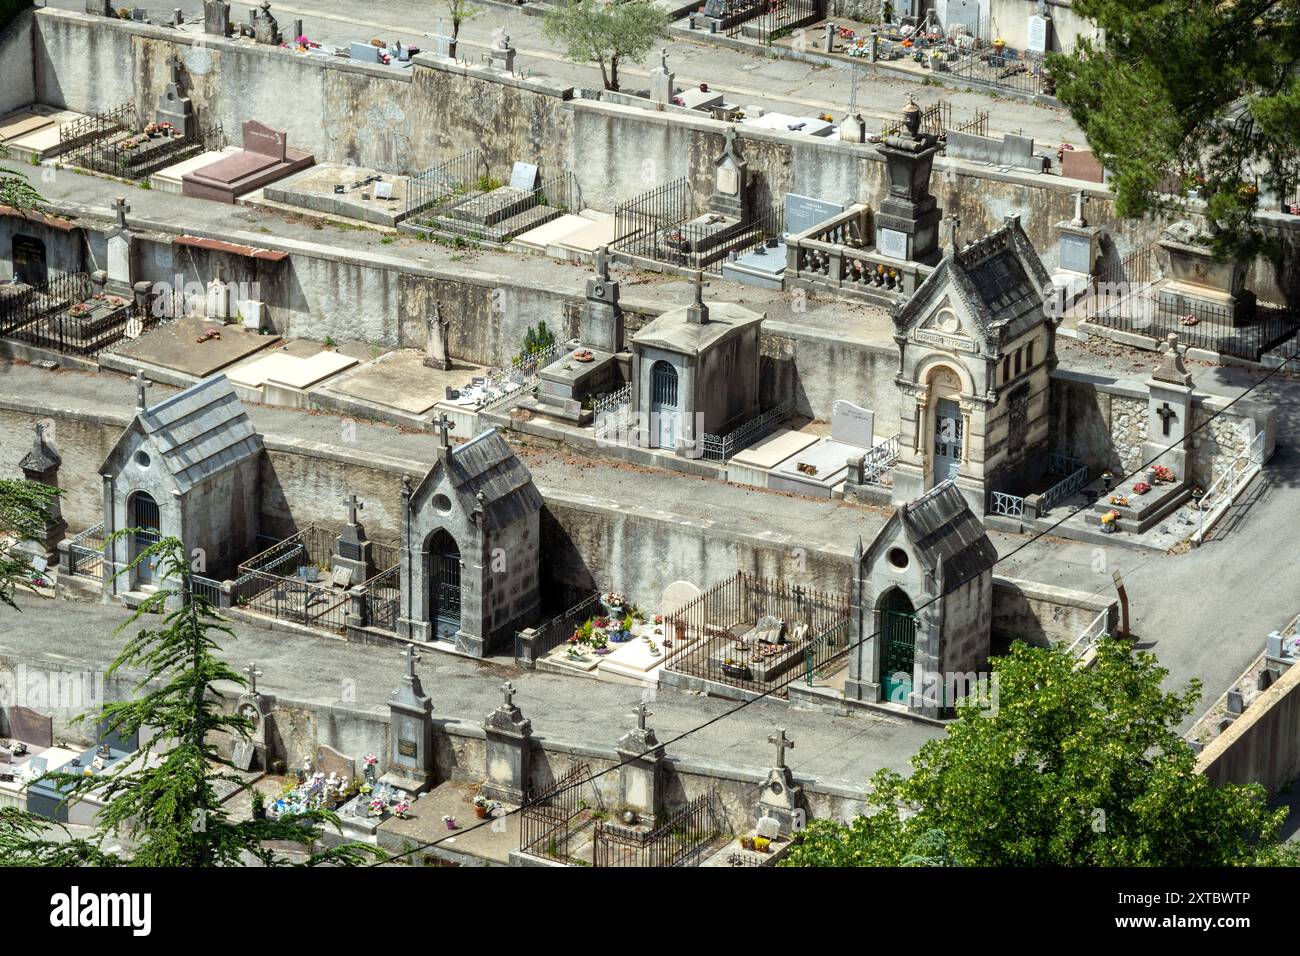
x=260, y=138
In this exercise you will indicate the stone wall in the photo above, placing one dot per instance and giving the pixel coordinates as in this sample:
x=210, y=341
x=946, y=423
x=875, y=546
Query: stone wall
x=1106, y=421
x=1042, y=614
x=403, y=121
x=17, y=80
x=1263, y=744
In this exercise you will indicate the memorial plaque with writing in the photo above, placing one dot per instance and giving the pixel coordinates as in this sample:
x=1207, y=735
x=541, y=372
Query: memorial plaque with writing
x=406, y=748
x=1076, y=253
x=1037, y=35
x=523, y=176
x=804, y=212
x=891, y=242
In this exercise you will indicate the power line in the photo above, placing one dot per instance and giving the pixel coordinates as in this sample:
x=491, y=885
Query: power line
x=852, y=646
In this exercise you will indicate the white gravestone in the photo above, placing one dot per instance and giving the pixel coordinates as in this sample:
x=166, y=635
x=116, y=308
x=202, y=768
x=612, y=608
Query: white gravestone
x=1038, y=35
x=891, y=242
x=119, y=259
x=852, y=425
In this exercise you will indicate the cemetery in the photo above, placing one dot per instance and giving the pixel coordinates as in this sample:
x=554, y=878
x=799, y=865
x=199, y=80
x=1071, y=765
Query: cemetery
x=447, y=360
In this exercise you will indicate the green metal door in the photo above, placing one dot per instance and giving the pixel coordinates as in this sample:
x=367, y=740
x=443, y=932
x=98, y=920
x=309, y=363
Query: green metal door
x=898, y=630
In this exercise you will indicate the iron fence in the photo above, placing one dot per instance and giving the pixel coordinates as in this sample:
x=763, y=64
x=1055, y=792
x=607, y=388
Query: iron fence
x=315, y=604
x=681, y=840
x=137, y=157
x=826, y=654
x=95, y=126
x=559, y=628
x=494, y=218
x=780, y=17
x=456, y=177
x=383, y=599
x=1223, y=490
x=514, y=381
x=1063, y=490
x=86, y=553
x=206, y=588
x=27, y=306
x=1001, y=503
x=717, y=637
x=646, y=214
x=551, y=821
x=999, y=70
x=877, y=462
x=722, y=447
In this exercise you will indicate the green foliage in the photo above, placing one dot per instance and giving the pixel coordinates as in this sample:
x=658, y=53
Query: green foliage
x=1190, y=91
x=607, y=35
x=486, y=183
x=17, y=193
x=1073, y=768
x=460, y=12
x=24, y=506
x=162, y=798
x=538, y=339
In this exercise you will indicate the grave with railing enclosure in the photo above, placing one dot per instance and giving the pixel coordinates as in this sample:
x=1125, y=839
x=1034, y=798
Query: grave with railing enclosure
x=763, y=20
x=840, y=254
x=684, y=839
x=664, y=225
x=86, y=130
x=293, y=580
x=1062, y=478
x=138, y=155
x=740, y=434
x=483, y=210
x=457, y=178
x=555, y=823
x=755, y=634
x=1127, y=298
x=72, y=315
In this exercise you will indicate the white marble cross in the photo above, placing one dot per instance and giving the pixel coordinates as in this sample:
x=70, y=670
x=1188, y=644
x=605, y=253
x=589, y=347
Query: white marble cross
x=141, y=383
x=353, y=506
x=121, y=207
x=783, y=743
x=253, y=674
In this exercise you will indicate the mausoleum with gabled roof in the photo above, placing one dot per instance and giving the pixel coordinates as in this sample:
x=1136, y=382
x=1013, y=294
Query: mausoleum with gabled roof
x=184, y=468
x=470, y=548
x=922, y=604
x=977, y=346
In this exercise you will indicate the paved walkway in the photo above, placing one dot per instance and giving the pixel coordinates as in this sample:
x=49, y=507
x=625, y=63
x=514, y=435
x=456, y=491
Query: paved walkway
x=783, y=85
x=841, y=750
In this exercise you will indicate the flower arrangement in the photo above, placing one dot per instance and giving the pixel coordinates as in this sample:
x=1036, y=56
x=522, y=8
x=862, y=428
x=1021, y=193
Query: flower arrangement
x=659, y=620
x=1121, y=500
x=1141, y=488
x=450, y=821
x=1189, y=319
x=1108, y=520
x=1163, y=474
x=584, y=355
x=747, y=843
x=762, y=844
x=400, y=808
x=377, y=807
x=79, y=309
x=613, y=600
x=371, y=760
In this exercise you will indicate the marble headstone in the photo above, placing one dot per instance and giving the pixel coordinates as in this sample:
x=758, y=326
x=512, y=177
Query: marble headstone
x=523, y=176
x=852, y=424
x=29, y=726
x=328, y=760
x=804, y=212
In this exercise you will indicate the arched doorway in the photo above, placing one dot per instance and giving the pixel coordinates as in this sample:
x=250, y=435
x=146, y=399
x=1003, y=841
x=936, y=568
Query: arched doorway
x=898, y=643
x=949, y=426
x=664, y=415
x=444, y=585
x=147, y=524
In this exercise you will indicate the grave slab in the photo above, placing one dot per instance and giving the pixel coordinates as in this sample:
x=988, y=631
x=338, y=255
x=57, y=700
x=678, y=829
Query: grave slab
x=174, y=347
x=368, y=195
x=829, y=458
x=168, y=180
x=26, y=120
x=587, y=239
x=751, y=465
x=807, y=125
x=551, y=233
x=398, y=380
x=257, y=378
x=424, y=825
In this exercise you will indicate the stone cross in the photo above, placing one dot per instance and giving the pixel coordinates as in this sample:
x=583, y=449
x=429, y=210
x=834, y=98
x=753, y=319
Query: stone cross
x=444, y=425
x=253, y=674
x=642, y=712
x=783, y=743
x=141, y=383
x=602, y=263
x=663, y=59
x=1166, y=414
x=121, y=207
x=1080, y=200
x=353, y=506
x=730, y=148
x=508, y=693
x=699, y=287
x=954, y=229
x=174, y=64
x=411, y=656
x=854, y=77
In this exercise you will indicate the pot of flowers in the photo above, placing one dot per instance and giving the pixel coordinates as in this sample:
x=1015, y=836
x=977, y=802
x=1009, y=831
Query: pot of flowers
x=600, y=644
x=1141, y=488
x=400, y=809
x=450, y=821
x=1197, y=494
x=1163, y=475
x=747, y=843
x=1110, y=522
x=1107, y=479
x=762, y=844
x=483, y=807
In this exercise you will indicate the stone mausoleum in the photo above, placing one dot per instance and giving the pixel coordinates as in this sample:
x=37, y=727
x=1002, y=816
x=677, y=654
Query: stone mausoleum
x=470, y=546
x=977, y=347
x=184, y=468
x=921, y=604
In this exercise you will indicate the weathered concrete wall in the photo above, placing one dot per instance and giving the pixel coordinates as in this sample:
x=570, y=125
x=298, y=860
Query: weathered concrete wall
x=1042, y=614
x=1263, y=744
x=17, y=78
x=407, y=120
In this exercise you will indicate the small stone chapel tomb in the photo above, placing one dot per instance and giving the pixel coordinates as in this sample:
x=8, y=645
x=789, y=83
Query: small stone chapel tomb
x=185, y=468
x=922, y=604
x=470, y=546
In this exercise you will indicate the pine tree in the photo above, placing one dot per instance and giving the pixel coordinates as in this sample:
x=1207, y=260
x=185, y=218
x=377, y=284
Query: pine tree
x=162, y=799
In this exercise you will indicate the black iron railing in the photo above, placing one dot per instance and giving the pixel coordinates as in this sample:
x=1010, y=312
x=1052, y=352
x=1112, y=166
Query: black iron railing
x=681, y=840
x=551, y=821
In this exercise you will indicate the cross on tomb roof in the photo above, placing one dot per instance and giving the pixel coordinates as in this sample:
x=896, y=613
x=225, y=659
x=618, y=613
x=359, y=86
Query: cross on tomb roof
x=444, y=425
x=602, y=263
x=954, y=230
x=353, y=506
x=141, y=383
x=1080, y=200
x=253, y=674
x=508, y=694
x=174, y=65
x=783, y=743
x=642, y=712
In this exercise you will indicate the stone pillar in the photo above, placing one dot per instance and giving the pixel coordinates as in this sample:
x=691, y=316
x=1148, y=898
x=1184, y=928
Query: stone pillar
x=907, y=224
x=640, y=779
x=437, y=352
x=41, y=466
x=410, y=714
x=216, y=18
x=526, y=647
x=600, y=326
x=853, y=129
x=509, y=751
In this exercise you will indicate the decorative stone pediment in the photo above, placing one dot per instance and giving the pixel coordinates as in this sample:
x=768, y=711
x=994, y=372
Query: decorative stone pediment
x=947, y=326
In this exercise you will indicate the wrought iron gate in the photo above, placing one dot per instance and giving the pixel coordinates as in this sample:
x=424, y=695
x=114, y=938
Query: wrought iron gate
x=147, y=523
x=898, y=630
x=445, y=588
